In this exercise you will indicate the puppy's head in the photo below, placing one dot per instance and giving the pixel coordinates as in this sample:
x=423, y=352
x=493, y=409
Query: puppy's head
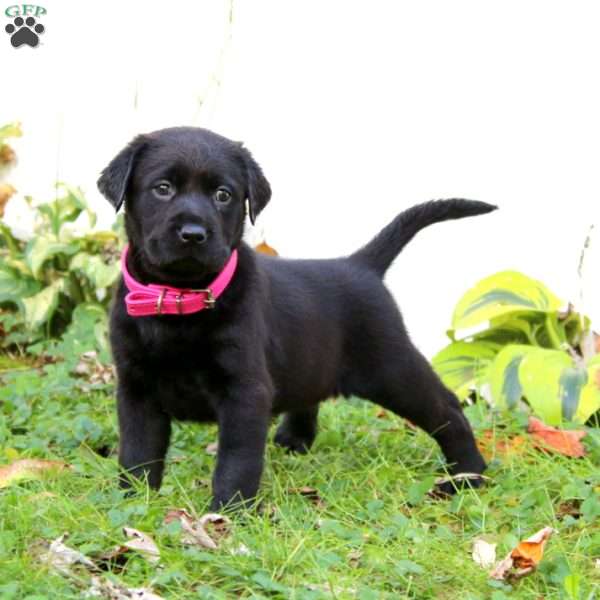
x=184, y=190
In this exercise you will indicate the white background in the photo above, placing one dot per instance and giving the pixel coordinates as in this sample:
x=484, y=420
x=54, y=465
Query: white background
x=355, y=110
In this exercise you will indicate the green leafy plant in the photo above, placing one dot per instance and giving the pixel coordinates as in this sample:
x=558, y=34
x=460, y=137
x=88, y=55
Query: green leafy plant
x=7, y=158
x=64, y=265
x=512, y=342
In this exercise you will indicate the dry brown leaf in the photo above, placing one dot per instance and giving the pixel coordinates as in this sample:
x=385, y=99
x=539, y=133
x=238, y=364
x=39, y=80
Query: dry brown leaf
x=92, y=370
x=28, y=468
x=45, y=495
x=354, y=558
x=113, y=560
x=72, y=563
x=217, y=526
x=212, y=448
x=551, y=439
x=63, y=559
x=143, y=543
x=116, y=558
x=264, y=248
x=484, y=553
x=524, y=558
x=241, y=550
x=207, y=531
x=104, y=588
x=569, y=508
x=310, y=494
x=7, y=155
x=6, y=191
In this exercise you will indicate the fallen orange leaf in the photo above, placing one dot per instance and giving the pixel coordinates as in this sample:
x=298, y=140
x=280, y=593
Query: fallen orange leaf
x=549, y=438
x=264, y=248
x=524, y=558
x=490, y=444
x=530, y=551
x=28, y=468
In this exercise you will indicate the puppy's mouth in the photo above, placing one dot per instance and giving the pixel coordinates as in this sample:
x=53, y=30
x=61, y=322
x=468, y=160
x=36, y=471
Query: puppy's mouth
x=186, y=267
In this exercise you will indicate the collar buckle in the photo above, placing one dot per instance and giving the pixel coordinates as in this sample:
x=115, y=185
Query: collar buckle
x=209, y=300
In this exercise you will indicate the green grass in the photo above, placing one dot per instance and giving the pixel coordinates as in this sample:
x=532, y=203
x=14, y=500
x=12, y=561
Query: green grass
x=375, y=535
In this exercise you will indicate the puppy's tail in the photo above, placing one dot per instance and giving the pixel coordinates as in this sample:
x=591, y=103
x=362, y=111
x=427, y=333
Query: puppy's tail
x=379, y=253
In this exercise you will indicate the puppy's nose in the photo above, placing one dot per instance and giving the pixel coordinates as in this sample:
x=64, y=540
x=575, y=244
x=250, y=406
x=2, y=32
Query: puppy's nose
x=192, y=234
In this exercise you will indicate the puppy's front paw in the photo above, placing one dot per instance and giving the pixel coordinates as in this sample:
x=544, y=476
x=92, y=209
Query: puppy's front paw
x=448, y=486
x=292, y=442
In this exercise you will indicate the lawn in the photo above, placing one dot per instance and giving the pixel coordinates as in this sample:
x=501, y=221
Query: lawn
x=369, y=529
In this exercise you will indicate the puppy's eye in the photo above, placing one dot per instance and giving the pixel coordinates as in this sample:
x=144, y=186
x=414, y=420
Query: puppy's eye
x=163, y=190
x=222, y=196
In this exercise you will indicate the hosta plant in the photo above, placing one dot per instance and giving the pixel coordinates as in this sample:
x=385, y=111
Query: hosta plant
x=65, y=264
x=512, y=342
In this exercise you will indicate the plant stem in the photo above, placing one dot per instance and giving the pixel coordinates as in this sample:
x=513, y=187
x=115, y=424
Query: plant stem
x=553, y=333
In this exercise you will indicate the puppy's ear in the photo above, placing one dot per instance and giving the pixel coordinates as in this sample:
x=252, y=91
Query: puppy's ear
x=114, y=179
x=258, y=188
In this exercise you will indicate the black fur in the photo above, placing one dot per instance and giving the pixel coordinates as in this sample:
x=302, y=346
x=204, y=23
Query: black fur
x=285, y=335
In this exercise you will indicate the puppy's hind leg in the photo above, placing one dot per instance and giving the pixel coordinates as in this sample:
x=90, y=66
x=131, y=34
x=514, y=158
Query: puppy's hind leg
x=409, y=387
x=298, y=430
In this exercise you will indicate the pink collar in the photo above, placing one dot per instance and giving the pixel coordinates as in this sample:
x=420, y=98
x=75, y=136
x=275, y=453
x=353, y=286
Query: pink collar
x=154, y=299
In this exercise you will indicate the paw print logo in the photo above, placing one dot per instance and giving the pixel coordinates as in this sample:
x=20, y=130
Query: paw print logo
x=24, y=31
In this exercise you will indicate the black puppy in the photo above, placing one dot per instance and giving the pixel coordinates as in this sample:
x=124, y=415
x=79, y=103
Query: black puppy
x=283, y=335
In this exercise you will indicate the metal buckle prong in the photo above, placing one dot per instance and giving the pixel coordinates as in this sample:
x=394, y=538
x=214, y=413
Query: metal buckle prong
x=160, y=300
x=209, y=301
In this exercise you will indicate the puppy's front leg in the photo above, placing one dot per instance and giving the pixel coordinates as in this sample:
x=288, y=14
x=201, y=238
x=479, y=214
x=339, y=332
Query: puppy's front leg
x=144, y=432
x=243, y=424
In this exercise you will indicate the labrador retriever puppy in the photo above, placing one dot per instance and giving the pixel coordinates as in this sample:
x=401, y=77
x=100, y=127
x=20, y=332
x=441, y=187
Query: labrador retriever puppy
x=205, y=329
